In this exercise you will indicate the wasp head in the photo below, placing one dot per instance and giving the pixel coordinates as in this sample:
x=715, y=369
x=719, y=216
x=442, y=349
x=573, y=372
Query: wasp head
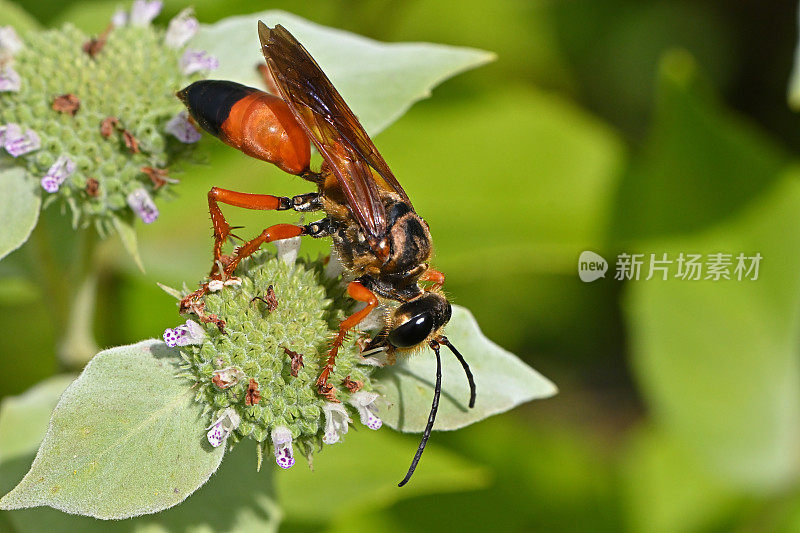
x=419, y=320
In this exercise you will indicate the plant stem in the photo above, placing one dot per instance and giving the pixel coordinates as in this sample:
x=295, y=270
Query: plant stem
x=71, y=293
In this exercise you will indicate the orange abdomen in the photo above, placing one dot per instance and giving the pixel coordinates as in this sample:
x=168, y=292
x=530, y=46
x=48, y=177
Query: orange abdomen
x=257, y=123
x=262, y=126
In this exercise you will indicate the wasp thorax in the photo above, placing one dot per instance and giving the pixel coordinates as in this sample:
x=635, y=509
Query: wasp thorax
x=414, y=321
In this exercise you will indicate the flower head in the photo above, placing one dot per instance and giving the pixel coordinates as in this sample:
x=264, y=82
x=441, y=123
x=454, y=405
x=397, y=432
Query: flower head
x=63, y=168
x=282, y=442
x=181, y=29
x=364, y=402
x=144, y=207
x=182, y=129
x=227, y=422
x=143, y=12
x=189, y=333
x=197, y=61
x=336, y=422
x=260, y=350
x=110, y=134
x=16, y=142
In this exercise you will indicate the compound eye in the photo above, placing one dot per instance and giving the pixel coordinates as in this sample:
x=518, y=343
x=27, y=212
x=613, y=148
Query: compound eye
x=412, y=332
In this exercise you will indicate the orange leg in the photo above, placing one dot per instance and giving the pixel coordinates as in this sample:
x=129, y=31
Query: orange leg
x=239, y=199
x=265, y=202
x=277, y=232
x=435, y=276
x=359, y=293
x=194, y=302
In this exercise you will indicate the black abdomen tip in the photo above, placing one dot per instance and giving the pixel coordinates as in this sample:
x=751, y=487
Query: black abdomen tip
x=210, y=101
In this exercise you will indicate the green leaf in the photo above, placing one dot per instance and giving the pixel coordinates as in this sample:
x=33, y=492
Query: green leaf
x=23, y=418
x=371, y=462
x=719, y=362
x=19, y=208
x=379, y=81
x=700, y=165
x=125, y=439
x=16, y=16
x=667, y=490
x=501, y=379
x=238, y=511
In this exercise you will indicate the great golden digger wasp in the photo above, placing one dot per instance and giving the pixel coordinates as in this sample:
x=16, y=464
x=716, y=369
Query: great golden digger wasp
x=383, y=244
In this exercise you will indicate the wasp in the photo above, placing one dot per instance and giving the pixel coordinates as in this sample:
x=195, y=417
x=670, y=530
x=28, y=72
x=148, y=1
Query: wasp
x=383, y=244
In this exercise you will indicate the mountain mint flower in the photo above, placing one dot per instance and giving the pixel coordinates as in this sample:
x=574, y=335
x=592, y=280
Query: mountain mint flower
x=107, y=105
x=189, y=333
x=119, y=18
x=143, y=12
x=222, y=427
x=9, y=79
x=63, y=168
x=10, y=42
x=181, y=29
x=288, y=249
x=182, y=129
x=227, y=377
x=197, y=61
x=364, y=402
x=282, y=442
x=258, y=348
x=336, y=422
x=16, y=142
x=144, y=207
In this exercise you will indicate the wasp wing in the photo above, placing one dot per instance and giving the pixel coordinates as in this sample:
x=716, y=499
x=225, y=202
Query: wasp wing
x=332, y=127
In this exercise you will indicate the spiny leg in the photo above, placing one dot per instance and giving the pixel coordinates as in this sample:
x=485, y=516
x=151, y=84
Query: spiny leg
x=266, y=202
x=278, y=232
x=360, y=293
x=193, y=302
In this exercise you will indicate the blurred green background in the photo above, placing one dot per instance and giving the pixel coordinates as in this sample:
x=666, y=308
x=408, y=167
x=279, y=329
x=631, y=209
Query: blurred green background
x=615, y=126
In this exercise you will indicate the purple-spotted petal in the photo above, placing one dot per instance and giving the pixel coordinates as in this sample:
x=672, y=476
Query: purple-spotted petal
x=219, y=430
x=184, y=335
x=364, y=402
x=143, y=206
x=16, y=142
x=181, y=29
x=10, y=43
x=63, y=168
x=282, y=442
x=182, y=129
x=336, y=422
x=143, y=12
x=216, y=435
x=196, y=61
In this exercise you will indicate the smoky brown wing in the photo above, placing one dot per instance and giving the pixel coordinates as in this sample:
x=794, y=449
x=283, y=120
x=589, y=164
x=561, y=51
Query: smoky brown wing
x=320, y=108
